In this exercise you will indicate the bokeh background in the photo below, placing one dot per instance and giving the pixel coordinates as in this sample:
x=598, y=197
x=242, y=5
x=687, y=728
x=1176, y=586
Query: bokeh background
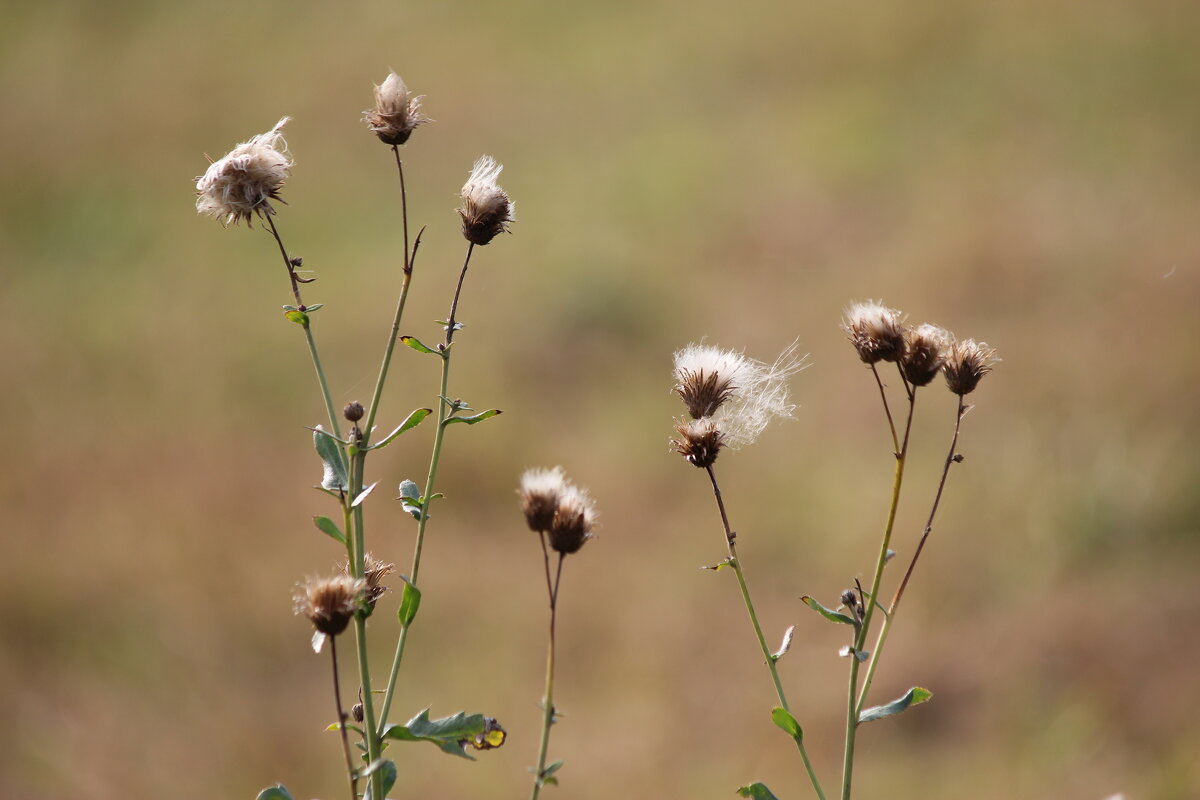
x=1026, y=173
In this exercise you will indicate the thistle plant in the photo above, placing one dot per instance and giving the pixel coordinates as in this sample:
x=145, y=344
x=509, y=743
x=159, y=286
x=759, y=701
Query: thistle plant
x=562, y=515
x=730, y=399
x=244, y=186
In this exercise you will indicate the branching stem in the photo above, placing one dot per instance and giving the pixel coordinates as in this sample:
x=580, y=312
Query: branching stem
x=341, y=715
x=548, y=698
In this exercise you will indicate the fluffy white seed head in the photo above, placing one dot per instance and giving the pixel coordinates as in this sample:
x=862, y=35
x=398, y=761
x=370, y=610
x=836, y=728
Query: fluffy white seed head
x=242, y=183
x=397, y=112
x=540, y=491
x=876, y=331
x=739, y=395
x=486, y=210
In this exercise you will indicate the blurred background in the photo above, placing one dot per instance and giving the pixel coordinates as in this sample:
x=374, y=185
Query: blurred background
x=1025, y=173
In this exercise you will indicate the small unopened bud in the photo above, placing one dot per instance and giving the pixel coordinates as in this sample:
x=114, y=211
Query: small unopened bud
x=353, y=411
x=573, y=521
x=849, y=598
x=330, y=603
x=396, y=114
x=356, y=712
x=540, y=492
x=699, y=442
x=966, y=362
x=924, y=352
x=486, y=211
x=876, y=331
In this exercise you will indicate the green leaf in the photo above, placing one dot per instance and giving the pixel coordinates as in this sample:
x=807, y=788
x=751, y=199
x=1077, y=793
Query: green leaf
x=757, y=791
x=388, y=769
x=327, y=527
x=314, y=307
x=832, y=616
x=787, y=723
x=551, y=769
x=410, y=498
x=413, y=420
x=336, y=726
x=363, y=495
x=276, y=792
x=720, y=565
x=480, y=417
x=418, y=345
x=451, y=734
x=410, y=602
x=297, y=316
x=912, y=697
x=334, y=479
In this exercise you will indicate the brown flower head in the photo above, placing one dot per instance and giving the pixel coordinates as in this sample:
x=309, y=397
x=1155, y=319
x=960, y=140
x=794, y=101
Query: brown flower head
x=330, y=603
x=396, y=114
x=242, y=183
x=875, y=330
x=486, y=210
x=700, y=442
x=924, y=352
x=573, y=521
x=540, y=492
x=374, y=571
x=966, y=362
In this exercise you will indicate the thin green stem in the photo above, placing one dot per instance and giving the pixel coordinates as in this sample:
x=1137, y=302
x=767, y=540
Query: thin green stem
x=873, y=600
x=887, y=409
x=881, y=640
x=373, y=409
x=368, y=703
x=341, y=715
x=548, y=698
x=444, y=410
x=735, y=564
x=312, y=344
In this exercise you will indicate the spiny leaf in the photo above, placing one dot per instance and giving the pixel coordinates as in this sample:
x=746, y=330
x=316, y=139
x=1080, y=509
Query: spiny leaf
x=912, y=697
x=450, y=734
x=786, y=722
x=334, y=479
x=757, y=791
x=832, y=616
x=327, y=527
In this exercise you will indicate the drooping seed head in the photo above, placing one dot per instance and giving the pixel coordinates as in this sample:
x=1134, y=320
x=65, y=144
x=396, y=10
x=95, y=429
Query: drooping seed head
x=486, y=210
x=966, y=362
x=540, y=492
x=924, y=353
x=875, y=330
x=573, y=520
x=330, y=603
x=699, y=442
x=243, y=182
x=397, y=113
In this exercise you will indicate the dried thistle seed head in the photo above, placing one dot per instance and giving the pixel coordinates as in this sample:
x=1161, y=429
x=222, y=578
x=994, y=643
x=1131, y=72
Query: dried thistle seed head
x=849, y=599
x=737, y=394
x=397, y=113
x=330, y=603
x=573, y=520
x=486, y=210
x=540, y=492
x=242, y=183
x=966, y=362
x=875, y=330
x=356, y=712
x=699, y=442
x=374, y=571
x=353, y=411
x=924, y=352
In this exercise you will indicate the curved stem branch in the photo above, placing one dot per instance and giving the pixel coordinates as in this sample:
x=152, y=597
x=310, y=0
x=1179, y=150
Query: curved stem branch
x=341, y=715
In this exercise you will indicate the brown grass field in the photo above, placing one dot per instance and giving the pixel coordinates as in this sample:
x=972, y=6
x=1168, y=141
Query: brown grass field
x=1026, y=173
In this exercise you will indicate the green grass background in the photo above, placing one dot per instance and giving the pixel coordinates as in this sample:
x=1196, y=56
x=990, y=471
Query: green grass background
x=1026, y=173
